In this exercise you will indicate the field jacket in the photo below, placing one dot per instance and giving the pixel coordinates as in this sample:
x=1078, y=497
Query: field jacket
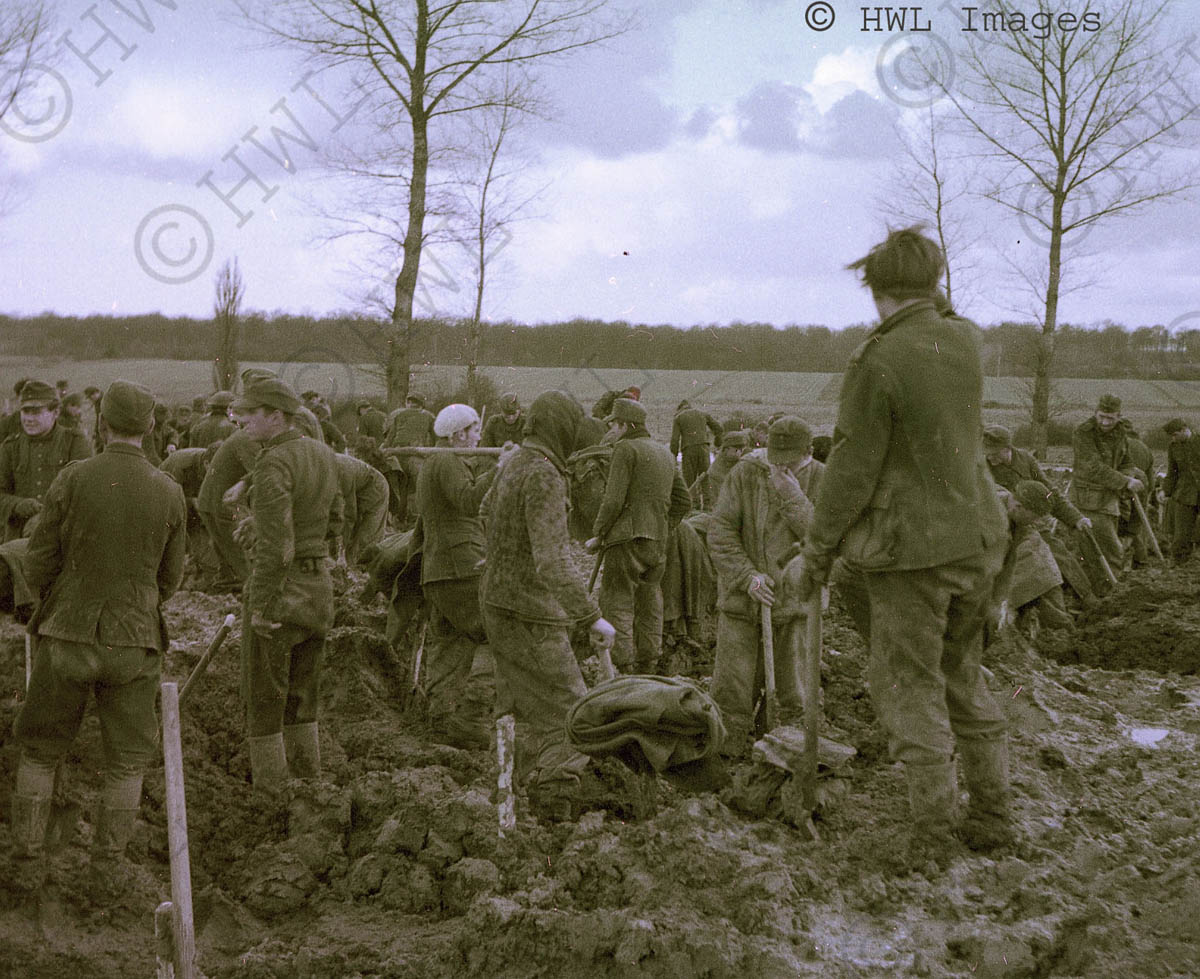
x=906, y=485
x=1101, y=469
x=691, y=427
x=645, y=496
x=1182, y=482
x=448, y=499
x=1023, y=467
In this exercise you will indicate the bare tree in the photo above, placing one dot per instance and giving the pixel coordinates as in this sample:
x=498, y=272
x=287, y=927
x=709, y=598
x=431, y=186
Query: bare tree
x=1068, y=120
x=24, y=26
x=230, y=289
x=930, y=187
x=425, y=65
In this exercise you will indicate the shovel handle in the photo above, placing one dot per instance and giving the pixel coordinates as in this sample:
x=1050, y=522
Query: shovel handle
x=209, y=653
x=1141, y=512
x=768, y=645
x=812, y=699
x=1108, y=571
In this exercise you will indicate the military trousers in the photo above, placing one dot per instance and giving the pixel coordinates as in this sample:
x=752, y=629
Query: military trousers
x=695, y=462
x=631, y=599
x=459, y=676
x=1104, y=529
x=231, y=559
x=124, y=681
x=924, y=673
x=1183, y=530
x=537, y=681
x=739, y=678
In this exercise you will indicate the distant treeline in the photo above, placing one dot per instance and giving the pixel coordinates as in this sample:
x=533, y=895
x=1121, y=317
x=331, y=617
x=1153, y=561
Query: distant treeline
x=1109, y=352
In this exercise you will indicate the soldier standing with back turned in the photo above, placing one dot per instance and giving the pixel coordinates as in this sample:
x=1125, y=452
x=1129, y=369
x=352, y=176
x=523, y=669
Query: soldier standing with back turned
x=106, y=554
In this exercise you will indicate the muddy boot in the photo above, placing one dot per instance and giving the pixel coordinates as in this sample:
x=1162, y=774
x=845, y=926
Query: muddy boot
x=302, y=748
x=109, y=873
x=31, y=803
x=933, y=803
x=988, y=823
x=268, y=765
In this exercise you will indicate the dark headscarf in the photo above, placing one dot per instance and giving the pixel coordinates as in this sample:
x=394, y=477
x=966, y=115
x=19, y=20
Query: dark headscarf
x=552, y=422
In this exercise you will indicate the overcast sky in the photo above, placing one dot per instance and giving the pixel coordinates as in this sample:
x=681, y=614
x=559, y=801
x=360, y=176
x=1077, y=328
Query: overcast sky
x=720, y=162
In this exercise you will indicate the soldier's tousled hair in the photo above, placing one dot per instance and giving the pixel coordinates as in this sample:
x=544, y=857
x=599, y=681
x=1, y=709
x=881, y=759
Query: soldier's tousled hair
x=905, y=265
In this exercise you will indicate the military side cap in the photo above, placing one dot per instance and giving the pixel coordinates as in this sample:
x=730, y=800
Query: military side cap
x=74, y=398
x=788, y=440
x=632, y=393
x=627, y=410
x=127, y=407
x=1033, y=496
x=311, y=395
x=1175, y=425
x=253, y=374
x=90, y=390
x=270, y=393
x=38, y=394
x=996, y=437
x=415, y=398
x=219, y=399
x=509, y=402
x=363, y=403
x=1110, y=404
x=739, y=439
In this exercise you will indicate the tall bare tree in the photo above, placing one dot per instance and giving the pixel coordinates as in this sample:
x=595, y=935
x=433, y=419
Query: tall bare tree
x=1072, y=122
x=424, y=65
x=930, y=186
x=229, y=291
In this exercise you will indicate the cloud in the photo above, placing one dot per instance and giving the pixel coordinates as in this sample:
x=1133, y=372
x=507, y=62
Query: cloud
x=772, y=115
x=859, y=127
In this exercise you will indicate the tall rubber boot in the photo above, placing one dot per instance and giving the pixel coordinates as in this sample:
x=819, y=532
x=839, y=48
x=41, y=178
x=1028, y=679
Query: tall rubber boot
x=31, y=801
x=988, y=823
x=933, y=804
x=302, y=747
x=268, y=764
x=119, y=802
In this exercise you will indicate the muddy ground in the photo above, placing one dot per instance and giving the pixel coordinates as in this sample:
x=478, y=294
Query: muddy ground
x=392, y=866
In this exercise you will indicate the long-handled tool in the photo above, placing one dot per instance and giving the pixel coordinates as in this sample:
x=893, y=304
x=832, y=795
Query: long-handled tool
x=28, y=659
x=768, y=647
x=420, y=654
x=812, y=700
x=1141, y=512
x=213, y=646
x=595, y=571
x=1108, y=571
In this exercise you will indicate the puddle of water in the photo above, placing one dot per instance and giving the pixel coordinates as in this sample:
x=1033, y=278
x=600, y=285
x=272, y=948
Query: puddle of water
x=1148, y=735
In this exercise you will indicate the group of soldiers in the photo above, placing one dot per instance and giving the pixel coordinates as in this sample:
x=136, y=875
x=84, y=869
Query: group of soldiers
x=917, y=516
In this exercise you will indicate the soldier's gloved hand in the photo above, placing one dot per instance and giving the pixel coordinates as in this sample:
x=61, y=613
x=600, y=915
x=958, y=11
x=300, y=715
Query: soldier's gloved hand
x=1085, y=523
x=811, y=574
x=263, y=627
x=1135, y=485
x=602, y=633
x=592, y=545
x=784, y=482
x=27, y=507
x=761, y=588
x=245, y=534
x=234, y=493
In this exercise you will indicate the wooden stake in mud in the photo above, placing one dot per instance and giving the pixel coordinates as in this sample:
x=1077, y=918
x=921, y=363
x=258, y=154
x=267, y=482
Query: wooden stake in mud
x=420, y=654
x=28, y=659
x=1141, y=512
x=213, y=646
x=177, y=841
x=506, y=736
x=768, y=646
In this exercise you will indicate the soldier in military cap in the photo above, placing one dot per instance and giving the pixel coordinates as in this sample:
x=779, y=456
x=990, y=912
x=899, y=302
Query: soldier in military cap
x=1101, y=472
x=763, y=511
x=71, y=412
x=215, y=425
x=707, y=487
x=507, y=426
x=645, y=498
x=1181, y=487
x=907, y=500
x=30, y=459
x=296, y=505
x=372, y=423
x=410, y=425
x=365, y=500
x=107, y=553
x=689, y=439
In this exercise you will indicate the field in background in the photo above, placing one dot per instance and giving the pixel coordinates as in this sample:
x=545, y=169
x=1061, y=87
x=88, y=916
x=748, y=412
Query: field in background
x=812, y=395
